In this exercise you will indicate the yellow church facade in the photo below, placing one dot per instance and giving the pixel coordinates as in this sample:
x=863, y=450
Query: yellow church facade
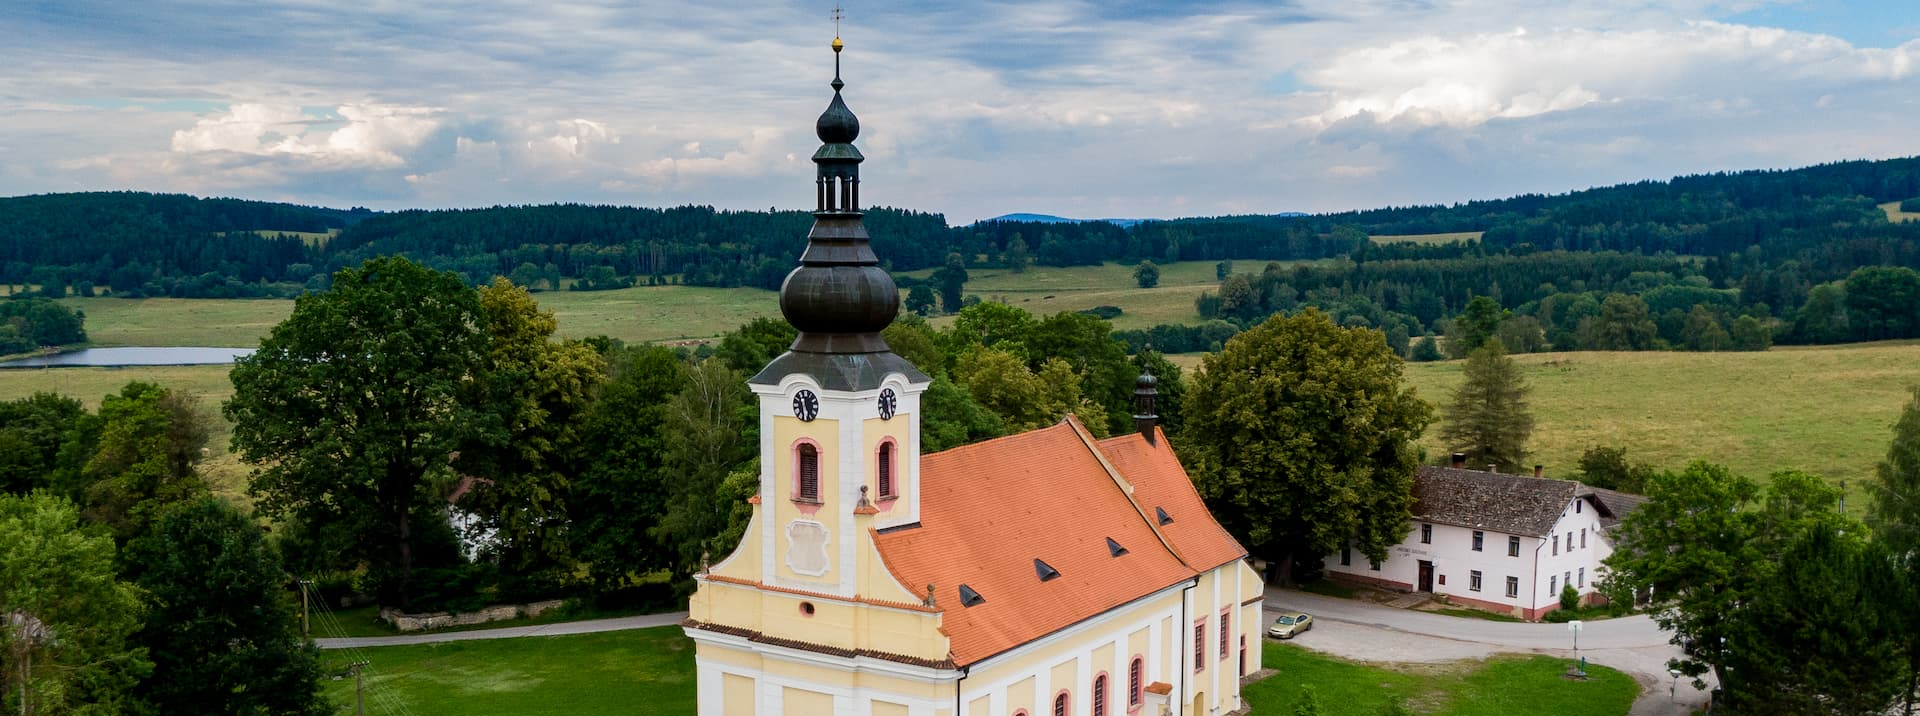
x=1048, y=573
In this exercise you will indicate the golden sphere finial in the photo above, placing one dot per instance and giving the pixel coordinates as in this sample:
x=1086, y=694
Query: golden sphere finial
x=837, y=44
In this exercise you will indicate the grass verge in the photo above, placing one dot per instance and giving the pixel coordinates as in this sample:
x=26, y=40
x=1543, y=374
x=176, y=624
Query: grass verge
x=1503, y=686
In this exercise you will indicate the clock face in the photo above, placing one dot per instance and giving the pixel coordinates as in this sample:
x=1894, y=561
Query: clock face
x=887, y=404
x=806, y=407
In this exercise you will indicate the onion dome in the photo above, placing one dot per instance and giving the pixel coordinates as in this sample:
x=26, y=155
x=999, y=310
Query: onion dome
x=839, y=297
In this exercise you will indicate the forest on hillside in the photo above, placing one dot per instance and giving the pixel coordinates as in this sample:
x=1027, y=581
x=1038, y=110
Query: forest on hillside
x=1759, y=245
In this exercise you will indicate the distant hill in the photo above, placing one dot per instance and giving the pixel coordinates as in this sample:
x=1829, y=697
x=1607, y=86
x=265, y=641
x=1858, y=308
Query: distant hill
x=1051, y=219
x=1824, y=217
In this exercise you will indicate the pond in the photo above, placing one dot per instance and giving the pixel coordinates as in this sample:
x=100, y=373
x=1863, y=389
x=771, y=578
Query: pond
x=132, y=356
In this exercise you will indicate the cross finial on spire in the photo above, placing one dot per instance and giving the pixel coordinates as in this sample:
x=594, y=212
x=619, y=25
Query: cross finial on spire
x=838, y=15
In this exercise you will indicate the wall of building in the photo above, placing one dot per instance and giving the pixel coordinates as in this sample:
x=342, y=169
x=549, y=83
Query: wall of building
x=1538, y=568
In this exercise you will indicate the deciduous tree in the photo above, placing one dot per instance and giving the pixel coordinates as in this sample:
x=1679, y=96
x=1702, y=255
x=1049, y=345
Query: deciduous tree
x=218, y=627
x=352, y=407
x=1489, y=418
x=1305, y=438
x=1895, y=517
x=146, y=457
x=64, y=619
x=1146, y=275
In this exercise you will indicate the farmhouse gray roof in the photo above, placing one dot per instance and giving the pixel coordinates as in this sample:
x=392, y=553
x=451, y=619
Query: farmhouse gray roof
x=1496, y=502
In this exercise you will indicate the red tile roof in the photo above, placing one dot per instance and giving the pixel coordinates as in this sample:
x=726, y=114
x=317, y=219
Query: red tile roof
x=1159, y=481
x=988, y=510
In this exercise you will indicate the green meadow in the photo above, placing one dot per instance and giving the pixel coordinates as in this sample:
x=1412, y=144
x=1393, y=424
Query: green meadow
x=651, y=671
x=1500, y=686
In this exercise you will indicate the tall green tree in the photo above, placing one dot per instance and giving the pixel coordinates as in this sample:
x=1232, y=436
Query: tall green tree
x=710, y=433
x=756, y=343
x=33, y=431
x=1478, y=323
x=218, y=627
x=1305, y=439
x=952, y=279
x=352, y=407
x=623, y=489
x=1622, y=325
x=146, y=457
x=1895, y=517
x=530, y=397
x=64, y=618
x=1146, y=275
x=1883, y=302
x=1819, y=637
x=1823, y=319
x=1489, y=417
x=1695, y=546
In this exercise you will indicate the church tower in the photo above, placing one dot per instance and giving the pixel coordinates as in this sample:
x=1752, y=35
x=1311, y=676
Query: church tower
x=839, y=412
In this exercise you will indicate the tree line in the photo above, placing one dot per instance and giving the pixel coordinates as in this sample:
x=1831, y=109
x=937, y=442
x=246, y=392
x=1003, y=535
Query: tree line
x=1775, y=234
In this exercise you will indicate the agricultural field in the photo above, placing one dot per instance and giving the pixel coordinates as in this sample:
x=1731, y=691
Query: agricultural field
x=1046, y=290
x=1435, y=239
x=1827, y=410
x=1895, y=215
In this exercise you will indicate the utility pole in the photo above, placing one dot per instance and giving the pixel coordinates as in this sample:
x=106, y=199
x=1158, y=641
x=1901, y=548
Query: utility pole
x=303, y=604
x=359, y=689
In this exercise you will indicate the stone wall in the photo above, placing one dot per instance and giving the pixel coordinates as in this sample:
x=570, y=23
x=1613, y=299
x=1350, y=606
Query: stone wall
x=442, y=620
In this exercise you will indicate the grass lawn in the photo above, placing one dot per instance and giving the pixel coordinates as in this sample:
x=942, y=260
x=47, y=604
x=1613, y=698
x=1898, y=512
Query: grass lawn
x=231, y=322
x=1475, y=614
x=1500, y=686
x=1827, y=410
x=646, y=671
x=1429, y=238
x=1895, y=215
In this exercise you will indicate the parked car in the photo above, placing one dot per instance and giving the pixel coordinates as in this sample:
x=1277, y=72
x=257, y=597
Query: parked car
x=1290, y=624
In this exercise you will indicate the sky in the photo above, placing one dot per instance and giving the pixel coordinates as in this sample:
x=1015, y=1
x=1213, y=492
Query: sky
x=1120, y=108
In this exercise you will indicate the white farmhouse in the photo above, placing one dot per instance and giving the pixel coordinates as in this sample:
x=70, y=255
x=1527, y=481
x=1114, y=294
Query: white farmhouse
x=1505, y=543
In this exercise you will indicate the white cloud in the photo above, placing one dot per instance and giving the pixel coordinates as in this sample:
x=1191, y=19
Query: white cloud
x=1431, y=80
x=371, y=136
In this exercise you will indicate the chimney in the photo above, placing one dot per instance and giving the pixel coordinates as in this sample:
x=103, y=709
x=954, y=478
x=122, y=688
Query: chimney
x=1459, y=461
x=1539, y=471
x=1144, y=395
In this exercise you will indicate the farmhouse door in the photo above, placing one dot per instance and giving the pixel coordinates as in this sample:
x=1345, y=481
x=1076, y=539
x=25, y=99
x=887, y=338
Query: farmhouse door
x=1426, y=576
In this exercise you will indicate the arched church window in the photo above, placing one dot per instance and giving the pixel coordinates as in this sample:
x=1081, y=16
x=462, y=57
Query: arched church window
x=884, y=464
x=809, y=473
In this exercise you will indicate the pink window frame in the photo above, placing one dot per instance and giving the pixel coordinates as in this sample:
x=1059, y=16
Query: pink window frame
x=1199, y=645
x=889, y=490
x=807, y=505
x=1100, y=706
x=1061, y=704
x=1136, y=688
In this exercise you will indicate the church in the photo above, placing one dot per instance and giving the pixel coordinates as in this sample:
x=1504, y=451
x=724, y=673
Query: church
x=1048, y=573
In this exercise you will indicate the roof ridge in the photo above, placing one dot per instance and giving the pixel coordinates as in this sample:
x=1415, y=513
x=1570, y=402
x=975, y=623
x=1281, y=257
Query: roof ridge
x=1126, y=491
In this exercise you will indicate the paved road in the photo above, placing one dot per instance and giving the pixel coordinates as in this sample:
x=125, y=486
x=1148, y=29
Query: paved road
x=555, y=629
x=1372, y=632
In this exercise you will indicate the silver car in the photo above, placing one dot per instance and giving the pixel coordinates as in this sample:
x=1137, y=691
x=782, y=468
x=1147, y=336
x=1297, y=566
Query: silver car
x=1289, y=624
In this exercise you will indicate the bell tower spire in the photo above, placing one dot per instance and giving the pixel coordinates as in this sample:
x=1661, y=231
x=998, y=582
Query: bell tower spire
x=838, y=297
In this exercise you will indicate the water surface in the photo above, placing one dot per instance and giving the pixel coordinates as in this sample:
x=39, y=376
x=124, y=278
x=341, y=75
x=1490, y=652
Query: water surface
x=132, y=356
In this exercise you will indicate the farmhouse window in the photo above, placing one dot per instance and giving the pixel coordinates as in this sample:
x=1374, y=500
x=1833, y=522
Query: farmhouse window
x=1556, y=544
x=1513, y=586
x=1426, y=534
x=1473, y=580
x=1479, y=540
x=1513, y=546
x=1583, y=538
x=1553, y=585
x=1583, y=576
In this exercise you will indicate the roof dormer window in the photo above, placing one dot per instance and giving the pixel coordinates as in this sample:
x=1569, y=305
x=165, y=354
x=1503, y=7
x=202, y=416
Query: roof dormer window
x=1045, y=571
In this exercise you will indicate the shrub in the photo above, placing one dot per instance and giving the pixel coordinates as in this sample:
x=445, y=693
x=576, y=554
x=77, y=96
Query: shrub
x=1569, y=599
x=1103, y=312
